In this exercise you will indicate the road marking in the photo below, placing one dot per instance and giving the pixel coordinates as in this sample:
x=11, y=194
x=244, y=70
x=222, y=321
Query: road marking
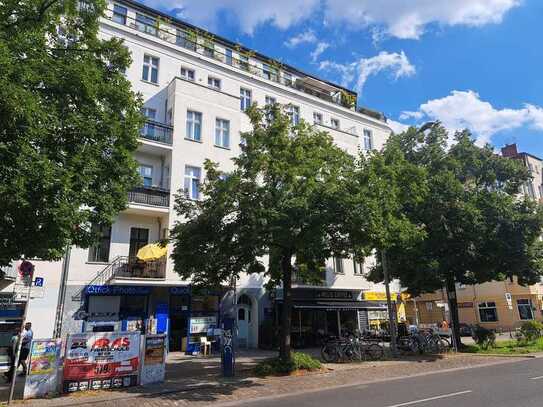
x=443, y=396
x=536, y=378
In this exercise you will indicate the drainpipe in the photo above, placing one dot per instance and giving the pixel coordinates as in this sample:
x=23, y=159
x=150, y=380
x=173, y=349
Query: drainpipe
x=62, y=293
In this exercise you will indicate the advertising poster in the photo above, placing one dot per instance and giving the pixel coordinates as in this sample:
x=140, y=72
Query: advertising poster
x=154, y=359
x=101, y=360
x=202, y=324
x=41, y=379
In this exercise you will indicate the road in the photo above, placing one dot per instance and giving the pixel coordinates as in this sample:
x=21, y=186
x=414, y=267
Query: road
x=518, y=384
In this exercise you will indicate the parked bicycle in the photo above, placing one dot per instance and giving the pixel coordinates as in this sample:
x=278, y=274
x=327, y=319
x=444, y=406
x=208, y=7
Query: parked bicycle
x=349, y=349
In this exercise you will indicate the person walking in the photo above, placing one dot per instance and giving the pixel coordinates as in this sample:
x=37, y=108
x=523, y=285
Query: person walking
x=25, y=346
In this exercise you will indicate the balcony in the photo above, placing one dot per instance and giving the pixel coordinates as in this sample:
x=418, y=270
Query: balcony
x=8, y=272
x=203, y=44
x=157, y=132
x=150, y=196
x=132, y=268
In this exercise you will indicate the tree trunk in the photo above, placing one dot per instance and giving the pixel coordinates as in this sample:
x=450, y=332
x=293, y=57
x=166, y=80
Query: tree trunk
x=453, y=312
x=390, y=307
x=286, y=269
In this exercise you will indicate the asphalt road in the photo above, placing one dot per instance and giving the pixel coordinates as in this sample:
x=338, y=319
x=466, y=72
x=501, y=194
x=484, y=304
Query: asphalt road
x=518, y=384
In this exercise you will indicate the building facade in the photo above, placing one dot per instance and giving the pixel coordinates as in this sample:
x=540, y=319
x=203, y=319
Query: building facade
x=195, y=88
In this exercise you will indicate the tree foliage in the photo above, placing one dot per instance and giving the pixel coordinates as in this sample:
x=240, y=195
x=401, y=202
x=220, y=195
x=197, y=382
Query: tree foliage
x=285, y=201
x=68, y=128
x=477, y=226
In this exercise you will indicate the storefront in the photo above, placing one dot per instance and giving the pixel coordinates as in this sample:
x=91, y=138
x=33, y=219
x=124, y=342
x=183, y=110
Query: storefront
x=317, y=313
x=11, y=318
x=184, y=315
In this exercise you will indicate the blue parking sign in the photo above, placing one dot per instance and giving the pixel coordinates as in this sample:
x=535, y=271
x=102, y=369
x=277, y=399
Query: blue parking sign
x=38, y=281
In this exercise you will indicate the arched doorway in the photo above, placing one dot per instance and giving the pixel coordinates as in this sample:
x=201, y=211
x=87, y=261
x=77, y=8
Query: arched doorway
x=244, y=320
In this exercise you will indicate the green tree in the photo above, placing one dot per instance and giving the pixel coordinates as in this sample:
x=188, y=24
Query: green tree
x=68, y=130
x=285, y=200
x=477, y=226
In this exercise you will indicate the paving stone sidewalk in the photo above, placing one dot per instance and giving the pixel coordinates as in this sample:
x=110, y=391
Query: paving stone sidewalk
x=205, y=391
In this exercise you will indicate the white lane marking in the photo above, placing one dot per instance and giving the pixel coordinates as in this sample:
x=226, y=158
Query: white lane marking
x=443, y=396
x=536, y=378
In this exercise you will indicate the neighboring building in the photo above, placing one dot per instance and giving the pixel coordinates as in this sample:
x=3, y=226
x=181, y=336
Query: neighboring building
x=497, y=304
x=195, y=87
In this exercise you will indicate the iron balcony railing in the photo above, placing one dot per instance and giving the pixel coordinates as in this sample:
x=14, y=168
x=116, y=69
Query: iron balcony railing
x=151, y=196
x=129, y=267
x=158, y=132
x=193, y=41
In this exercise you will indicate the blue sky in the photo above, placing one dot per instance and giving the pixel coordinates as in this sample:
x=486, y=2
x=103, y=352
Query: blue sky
x=468, y=63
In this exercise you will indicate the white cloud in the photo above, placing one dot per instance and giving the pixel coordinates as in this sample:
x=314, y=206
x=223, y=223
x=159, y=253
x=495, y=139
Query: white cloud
x=320, y=48
x=397, y=127
x=465, y=109
x=411, y=115
x=307, y=37
x=398, y=18
x=357, y=73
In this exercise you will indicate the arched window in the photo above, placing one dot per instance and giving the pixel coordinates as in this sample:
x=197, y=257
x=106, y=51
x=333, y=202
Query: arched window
x=245, y=300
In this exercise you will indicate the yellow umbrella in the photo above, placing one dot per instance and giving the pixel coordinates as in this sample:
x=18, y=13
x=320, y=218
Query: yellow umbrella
x=151, y=251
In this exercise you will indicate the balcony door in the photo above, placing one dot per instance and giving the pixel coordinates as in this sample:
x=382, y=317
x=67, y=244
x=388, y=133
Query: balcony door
x=139, y=237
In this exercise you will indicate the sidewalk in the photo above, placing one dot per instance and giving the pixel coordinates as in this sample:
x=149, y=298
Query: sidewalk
x=207, y=387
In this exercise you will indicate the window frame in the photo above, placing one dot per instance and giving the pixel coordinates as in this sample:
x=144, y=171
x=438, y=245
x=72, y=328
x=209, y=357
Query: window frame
x=339, y=267
x=149, y=67
x=188, y=72
x=528, y=304
x=98, y=248
x=222, y=133
x=143, y=176
x=269, y=100
x=214, y=83
x=335, y=123
x=191, y=183
x=116, y=13
x=293, y=112
x=193, y=128
x=485, y=306
x=317, y=115
x=147, y=23
x=367, y=136
x=245, y=98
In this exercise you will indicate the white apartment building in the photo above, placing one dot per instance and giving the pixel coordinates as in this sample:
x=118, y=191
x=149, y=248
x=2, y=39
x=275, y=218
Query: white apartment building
x=195, y=86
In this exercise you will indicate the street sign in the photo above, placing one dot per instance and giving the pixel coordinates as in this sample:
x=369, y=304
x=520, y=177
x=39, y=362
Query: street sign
x=38, y=282
x=509, y=300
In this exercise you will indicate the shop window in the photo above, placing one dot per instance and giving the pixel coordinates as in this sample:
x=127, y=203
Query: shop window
x=133, y=306
x=525, y=309
x=488, y=312
x=99, y=251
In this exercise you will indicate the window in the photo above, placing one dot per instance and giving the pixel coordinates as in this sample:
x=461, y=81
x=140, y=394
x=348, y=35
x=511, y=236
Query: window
x=358, y=267
x=148, y=128
x=192, y=182
x=525, y=309
x=245, y=98
x=146, y=172
x=150, y=69
x=368, y=140
x=488, y=312
x=146, y=24
x=270, y=101
x=287, y=79
x=244, y=62
x=294, y=114
x=228, y=56
x=269, y=72
x=184, y=40
x=187, y=74
x=194, y=126
x=338, y=265
x=148, y=112
x=169, y=116
x=99, y=251
x=317, y=118
x=119, y=14
x=222, y=133
x=334, y=123
x=214, y=82
x=429, y=306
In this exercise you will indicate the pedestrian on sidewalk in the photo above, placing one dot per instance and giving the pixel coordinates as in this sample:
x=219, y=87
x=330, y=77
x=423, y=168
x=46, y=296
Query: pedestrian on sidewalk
x=11, y=355
x=25, y=346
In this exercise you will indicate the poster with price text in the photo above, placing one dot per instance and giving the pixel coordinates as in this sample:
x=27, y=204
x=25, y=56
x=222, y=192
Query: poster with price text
x=101, y=360
x=41, y=379
x=154, y=360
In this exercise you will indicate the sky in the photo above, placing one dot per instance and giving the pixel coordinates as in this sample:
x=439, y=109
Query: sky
x=475, y=64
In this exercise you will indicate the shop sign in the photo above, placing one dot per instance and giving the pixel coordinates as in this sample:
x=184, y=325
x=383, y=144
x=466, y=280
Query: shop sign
x=202, y=324
x=334, y=295
x=101, y=360
x=41, y=379
x=154, y=360
x=117, y=290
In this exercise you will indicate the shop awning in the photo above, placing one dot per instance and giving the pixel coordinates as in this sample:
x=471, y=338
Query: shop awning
x=338, y=305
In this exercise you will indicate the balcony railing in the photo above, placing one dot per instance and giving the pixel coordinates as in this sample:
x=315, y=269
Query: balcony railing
x=150, y=196
x=193, y=41
x=315, y=280
x=127, y=268
x=8, y=272
x=158, y=132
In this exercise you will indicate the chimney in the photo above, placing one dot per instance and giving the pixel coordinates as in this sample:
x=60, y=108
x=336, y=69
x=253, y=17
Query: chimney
x=510, y=150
